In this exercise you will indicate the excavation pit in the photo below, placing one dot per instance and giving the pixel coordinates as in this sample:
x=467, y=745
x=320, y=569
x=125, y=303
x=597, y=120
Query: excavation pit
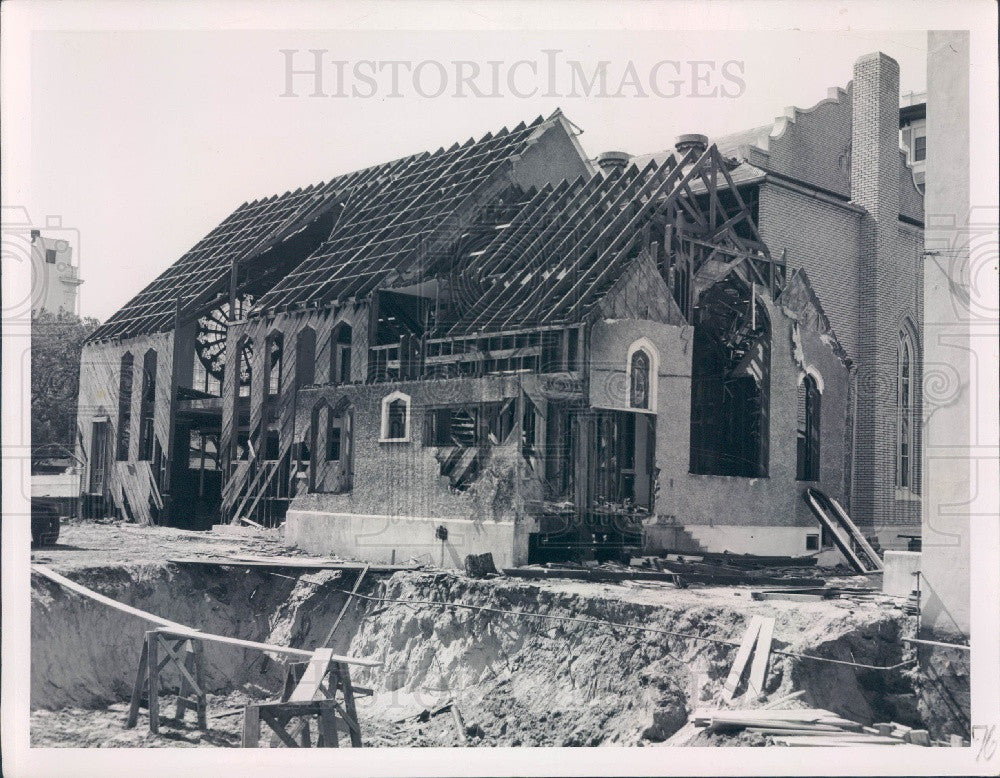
x=552, y=663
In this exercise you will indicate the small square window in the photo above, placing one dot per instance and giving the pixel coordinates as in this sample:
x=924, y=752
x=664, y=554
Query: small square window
x=812, y=542
x=50, y=256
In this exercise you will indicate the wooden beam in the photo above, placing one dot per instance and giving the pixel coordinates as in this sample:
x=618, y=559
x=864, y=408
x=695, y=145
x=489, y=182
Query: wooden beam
x=742, y=657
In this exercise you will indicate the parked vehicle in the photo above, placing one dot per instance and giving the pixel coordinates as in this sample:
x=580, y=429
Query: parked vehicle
x=45, y=522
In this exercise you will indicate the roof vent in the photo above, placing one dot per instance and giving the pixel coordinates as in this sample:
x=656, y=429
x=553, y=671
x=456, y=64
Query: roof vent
x=611, y=161
x=694, y=141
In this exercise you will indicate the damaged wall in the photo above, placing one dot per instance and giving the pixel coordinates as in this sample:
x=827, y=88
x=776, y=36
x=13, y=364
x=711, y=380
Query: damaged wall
x=744, y=515
x=399, y=496
x=100, y=372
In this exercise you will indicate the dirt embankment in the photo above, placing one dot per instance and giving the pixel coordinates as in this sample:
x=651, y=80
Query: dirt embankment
x=514, y=678
x=520, y=680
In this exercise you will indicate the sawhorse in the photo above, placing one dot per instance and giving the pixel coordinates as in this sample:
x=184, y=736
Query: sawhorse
x=313, y=693
x=185, y=652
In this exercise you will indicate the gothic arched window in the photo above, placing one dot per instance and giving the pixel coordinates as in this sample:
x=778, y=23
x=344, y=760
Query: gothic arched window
x=905, y=454
x=638, y=386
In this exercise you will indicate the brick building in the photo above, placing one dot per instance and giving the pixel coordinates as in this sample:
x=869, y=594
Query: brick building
x=503, y=347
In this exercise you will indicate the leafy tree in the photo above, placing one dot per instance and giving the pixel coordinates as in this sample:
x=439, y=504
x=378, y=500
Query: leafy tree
x=56, y=344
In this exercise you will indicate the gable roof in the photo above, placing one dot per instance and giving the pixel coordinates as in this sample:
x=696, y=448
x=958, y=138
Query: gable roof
x=567, y=248
x=245, y=233
x=388, y=224
x=388, y=213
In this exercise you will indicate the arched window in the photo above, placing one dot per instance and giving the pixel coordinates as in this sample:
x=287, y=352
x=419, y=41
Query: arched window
x=641, y=369
x=638, y=389
x=124, y=407
x=808, y=431
x=395, y=418
x=731, y=382
x=242, y=361
x=147, y=406
x=305, y=357
x=340, y=354
x=905, y=454
x=330, y=467
x=275, y=349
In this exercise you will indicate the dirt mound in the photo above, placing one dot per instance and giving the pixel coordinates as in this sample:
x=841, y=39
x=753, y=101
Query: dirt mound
x=533, y=681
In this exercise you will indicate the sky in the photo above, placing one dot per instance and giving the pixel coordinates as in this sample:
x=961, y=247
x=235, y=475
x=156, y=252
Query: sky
x=143, y=141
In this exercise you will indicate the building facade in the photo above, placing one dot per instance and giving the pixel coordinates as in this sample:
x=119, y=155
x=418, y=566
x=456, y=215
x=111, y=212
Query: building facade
x=504, y=347
x=54, y=278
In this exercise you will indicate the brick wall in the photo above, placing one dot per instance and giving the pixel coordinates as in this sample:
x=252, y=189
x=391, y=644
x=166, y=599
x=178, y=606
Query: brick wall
x=813, y=144
x=822, y=237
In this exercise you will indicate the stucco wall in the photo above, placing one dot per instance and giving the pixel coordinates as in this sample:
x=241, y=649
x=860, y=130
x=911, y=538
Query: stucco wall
x=398, y=496
x=720, y=512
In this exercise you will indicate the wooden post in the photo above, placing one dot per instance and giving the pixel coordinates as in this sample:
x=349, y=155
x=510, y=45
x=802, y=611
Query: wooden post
x=152, y=644
x=344, y=678
x=251, y=726
x=140, y=680
x=328, y=737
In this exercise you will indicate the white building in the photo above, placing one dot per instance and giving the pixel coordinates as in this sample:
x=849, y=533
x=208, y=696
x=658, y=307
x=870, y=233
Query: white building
x=54, y=277
x=913, y=133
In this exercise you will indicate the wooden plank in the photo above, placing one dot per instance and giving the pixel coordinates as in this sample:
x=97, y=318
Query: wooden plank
x=309, y=684
x=742, y=657
x=140, y=681
x=310, y=562
x=154, y=682
x=795, y=714
x=184, y=631
x=347, y=688
x=762, y=654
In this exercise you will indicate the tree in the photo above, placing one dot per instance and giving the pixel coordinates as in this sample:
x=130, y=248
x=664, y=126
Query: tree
x=56, y=345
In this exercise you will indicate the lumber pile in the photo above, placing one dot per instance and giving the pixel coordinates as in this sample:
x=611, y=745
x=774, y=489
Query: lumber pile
x=807, y=727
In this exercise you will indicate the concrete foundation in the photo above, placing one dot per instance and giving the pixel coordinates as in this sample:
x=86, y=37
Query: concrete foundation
x=898, y=579
x=382, y=538
x=736, y=539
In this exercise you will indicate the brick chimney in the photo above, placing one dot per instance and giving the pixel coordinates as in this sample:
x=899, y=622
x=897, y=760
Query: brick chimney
x=875, y=176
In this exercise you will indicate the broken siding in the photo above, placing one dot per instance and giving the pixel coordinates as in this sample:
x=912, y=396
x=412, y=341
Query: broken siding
x=132, y=480
x=242, y=475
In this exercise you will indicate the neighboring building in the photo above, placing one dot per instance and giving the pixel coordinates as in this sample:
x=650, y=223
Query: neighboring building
x=913, y=133
x=952, y=321
x=54, y=276
x=499, y=347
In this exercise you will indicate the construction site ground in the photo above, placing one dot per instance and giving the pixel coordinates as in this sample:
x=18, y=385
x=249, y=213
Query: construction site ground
x=541, y=662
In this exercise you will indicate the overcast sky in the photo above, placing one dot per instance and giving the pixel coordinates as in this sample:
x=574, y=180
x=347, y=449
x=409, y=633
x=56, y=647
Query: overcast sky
x=143, y=141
